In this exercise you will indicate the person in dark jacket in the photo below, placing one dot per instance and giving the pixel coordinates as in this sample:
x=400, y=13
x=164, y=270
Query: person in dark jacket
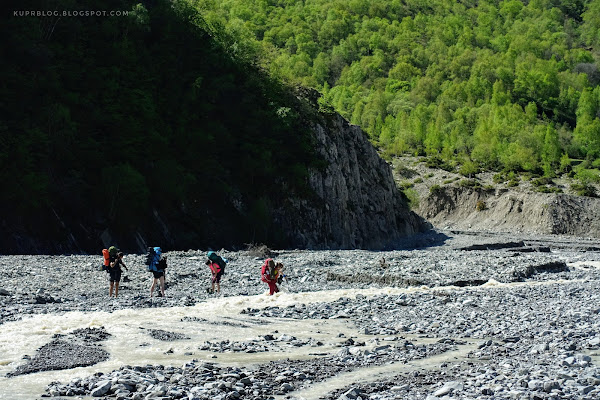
x=115, y=272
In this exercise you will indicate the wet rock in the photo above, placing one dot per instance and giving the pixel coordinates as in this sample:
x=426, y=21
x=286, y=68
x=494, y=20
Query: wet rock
x=66, y=352
x=160, y=334
x=517, y=334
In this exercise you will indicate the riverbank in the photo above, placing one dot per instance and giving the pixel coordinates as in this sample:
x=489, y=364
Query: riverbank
x=464, y=315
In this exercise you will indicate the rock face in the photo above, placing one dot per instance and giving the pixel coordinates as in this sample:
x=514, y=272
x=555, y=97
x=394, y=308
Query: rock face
x=503, y=210
x=357, y=204
x=353, y=202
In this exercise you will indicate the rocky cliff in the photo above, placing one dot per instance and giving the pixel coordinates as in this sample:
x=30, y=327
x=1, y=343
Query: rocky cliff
x=181, y=144
x=351, y=202
x=356, y=203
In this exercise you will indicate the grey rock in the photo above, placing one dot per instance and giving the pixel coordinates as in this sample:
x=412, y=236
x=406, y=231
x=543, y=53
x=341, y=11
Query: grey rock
x=286, y=387
x=539, y=348
x=448, y=388
x=351, y=394
x=101, y=388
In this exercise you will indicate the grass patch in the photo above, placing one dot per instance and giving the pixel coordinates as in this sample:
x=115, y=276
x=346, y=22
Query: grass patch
x=584, y=189
x=412, y=197
x=435, y=189
x=469, y=183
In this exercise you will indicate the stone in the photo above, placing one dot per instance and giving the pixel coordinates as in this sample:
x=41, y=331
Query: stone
x=539, y=348
x=569, y=361
x=400, y=388
x=286, y=387
x=101, y=388
x=448, y=388
x=587, y=389
x=351, y=394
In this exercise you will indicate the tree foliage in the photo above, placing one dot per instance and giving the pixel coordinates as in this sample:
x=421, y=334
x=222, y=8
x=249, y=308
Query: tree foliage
x=107, y=120
x=491, y=82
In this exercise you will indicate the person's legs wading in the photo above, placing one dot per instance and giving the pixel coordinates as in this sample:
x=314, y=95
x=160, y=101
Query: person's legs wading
x=273, y=288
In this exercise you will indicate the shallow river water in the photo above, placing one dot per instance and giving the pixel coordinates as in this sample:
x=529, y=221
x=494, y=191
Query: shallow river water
x=211, y=321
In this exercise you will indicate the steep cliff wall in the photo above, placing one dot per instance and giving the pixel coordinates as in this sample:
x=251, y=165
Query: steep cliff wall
x=351, y=202
x=356, y=202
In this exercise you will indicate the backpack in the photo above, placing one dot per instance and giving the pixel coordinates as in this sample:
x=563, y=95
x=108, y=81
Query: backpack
x=149, y=256
x=265, y=273
x=153, y=258
x=112, y=251
x=106, y=256
x=222, y=262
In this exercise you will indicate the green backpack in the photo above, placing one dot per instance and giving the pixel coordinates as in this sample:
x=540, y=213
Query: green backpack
x=112, y=251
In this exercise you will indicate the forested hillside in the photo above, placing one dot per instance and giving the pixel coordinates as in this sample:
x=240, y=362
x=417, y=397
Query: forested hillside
x=122, y=123
x=500, y=85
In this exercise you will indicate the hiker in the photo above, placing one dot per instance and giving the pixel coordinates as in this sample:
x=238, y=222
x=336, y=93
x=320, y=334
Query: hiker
x=382, y=264
x=157, y=264
x=115, y=274
x=109, y=255
x=269, y=275
x=279, y=271
x=216, y=264
x=105, y=260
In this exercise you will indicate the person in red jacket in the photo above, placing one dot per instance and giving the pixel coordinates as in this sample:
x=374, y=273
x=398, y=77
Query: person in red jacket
x=269, y=275
x=216, y=270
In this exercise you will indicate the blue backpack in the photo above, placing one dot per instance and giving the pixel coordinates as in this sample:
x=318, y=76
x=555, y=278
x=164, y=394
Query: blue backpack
x=152, y=258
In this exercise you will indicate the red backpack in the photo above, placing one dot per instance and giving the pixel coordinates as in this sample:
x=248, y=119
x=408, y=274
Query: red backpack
x=106, y=256
x=265, y=274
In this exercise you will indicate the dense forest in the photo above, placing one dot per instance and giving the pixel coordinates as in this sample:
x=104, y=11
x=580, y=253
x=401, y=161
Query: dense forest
x=184, y=110
x=509, y=86
x=106, y=119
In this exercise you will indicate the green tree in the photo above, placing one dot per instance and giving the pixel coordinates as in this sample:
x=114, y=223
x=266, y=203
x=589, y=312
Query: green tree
x=590, y=29
x=524, y=59
x=551, y=152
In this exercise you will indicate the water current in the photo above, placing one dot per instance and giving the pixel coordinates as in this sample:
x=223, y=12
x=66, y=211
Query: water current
x=212, y=321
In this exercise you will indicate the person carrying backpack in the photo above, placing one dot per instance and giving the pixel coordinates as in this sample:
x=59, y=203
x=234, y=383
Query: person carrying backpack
x=279, y=269
x=105, y=260
x=216, y=264
x=269, y=274
x=109, y=255
x=115, y=272
x=157, y=264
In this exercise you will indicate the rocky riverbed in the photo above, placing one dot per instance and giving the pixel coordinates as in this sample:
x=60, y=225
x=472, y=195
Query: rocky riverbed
x=454, y=315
